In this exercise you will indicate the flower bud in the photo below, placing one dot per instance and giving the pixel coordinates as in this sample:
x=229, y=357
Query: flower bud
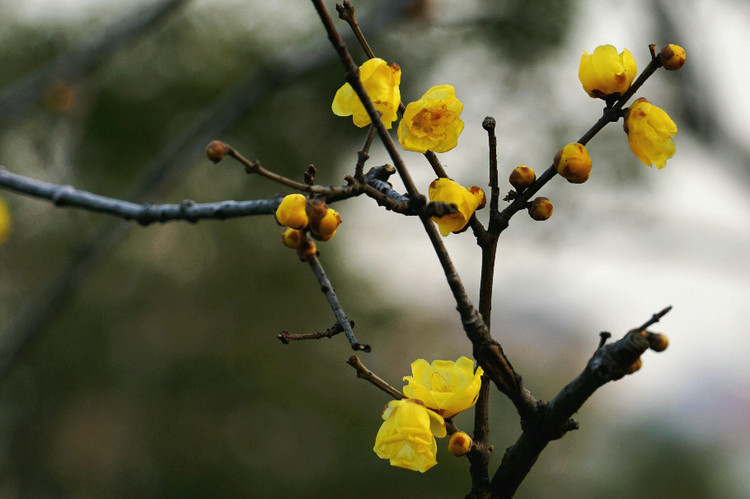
x=521, y=177
x=657, y=342
x=292, y=238
x=540, y=209
x=573, y=163
x=672, y=57
x=325, y=228
x=479, y=195
x=316, y=209
x=292, y=213
x=459, y=444
x=307, y=249
x=216, y=150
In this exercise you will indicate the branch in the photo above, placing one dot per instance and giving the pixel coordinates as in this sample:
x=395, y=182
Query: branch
x=327, y=288
x=144, y=214
x=610, y=362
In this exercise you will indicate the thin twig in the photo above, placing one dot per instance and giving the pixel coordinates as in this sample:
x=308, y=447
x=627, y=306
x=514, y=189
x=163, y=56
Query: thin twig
x=366, y=374
x=286, y=337
x=333, y=300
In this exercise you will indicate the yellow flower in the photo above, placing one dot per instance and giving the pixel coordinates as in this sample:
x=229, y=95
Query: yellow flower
x=407, y=436
x=292, y=238
x=381, y=81
x=605, y=72
x=466, y=200
x=432, y=123
x=291, y=212
x=4, y=221
x=444, y=386
x=573, y=163
x=650, y=131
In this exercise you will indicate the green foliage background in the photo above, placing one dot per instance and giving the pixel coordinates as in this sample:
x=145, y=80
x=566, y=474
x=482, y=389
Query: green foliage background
x=160, y=375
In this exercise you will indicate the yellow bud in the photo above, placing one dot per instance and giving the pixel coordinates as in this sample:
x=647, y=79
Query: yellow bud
x=479, y=195
x=291, y=212
x=540, y=209
x=326, y=227
x=672, y=57
x=521, y=177
x=573, y=163
x=657, y=342
x=459, y=444
x=292, y=238
x=316, y=209
x=216, y=150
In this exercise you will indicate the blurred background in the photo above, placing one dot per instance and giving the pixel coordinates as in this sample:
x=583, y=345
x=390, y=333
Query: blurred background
x=143, y=361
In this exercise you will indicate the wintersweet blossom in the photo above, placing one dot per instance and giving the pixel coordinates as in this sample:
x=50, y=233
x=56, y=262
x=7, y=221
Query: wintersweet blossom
x=466, y=200
x=381, y=81
x=605, y=72
x=291, y=212
x=444, y=386
x=407, y=435
x=650, y=131
x=432, y=122
x=5, y=222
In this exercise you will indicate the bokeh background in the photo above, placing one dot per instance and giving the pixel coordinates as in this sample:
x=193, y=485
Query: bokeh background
x=149, y=365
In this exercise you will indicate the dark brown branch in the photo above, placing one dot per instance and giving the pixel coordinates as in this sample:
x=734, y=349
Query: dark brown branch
x=366, y=374
x=286, y=337
x=551, y=421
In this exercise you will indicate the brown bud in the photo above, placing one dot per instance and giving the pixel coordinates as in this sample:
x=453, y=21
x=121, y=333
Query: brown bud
x=657, y=342
x=541, y=209
x=634, y=366
x=216, y=150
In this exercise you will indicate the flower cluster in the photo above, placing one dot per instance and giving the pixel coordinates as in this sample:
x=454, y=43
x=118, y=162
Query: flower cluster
x=299, y=214
x=431, y=123
x=606, y=74
x=436, y=391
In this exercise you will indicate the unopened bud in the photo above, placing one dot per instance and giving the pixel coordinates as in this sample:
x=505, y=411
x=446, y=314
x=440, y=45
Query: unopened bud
x=573, y=163
x=657, y=342
x=216, y=150
x=292, y=238
x=672, y=57
x=521, y=177
x=291, y=212
x=459, y=444
x=479, y=194
x=316, y=209
x=326, y=227
x=540, y=209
